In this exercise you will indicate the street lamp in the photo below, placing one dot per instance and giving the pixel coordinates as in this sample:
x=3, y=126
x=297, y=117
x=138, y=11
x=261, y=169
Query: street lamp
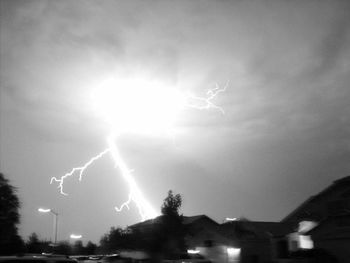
x=55, y=222
x=73, y=236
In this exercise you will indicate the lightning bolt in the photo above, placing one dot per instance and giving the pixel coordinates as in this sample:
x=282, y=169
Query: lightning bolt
x=146, y=211
x=80, y=170
x=205, y=103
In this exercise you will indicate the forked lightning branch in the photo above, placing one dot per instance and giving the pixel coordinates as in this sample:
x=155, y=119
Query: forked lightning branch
x=137, y=106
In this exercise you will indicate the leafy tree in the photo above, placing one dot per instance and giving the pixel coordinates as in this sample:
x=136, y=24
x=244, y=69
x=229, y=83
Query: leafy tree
x=169, y=235
x=63, y=248
x=35, y=245
x=10, y=241
x=112, y=241
x=78, y=248
x=118, y=238
x=171, y=205
x=163, y=238
x=90, y=248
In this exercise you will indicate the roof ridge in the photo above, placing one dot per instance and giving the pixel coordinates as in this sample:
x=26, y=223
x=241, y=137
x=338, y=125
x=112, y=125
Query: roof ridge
x=315, y=196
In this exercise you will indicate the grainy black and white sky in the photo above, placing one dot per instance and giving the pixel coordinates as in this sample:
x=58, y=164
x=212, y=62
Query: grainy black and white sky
x=284, y=135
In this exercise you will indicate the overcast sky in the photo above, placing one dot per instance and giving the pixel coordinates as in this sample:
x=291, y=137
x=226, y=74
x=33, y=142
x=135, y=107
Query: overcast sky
x=284, y=135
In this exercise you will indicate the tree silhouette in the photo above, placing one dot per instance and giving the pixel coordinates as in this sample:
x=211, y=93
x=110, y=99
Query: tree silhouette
x=35, y=245
x=64, y=248
x=90, y=248
x=163, y=238
x=169, y=235
x=113, y=240
x=172, y=204
x=78, y=248
x=10, y=241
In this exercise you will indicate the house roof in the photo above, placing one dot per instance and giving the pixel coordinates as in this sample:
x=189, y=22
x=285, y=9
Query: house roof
x=314, y=198
x=340, y=220
x=235, y=230
x=187, y=220
x=148, y=222
x=191, y=219
x=258, y=228
x=274, y=228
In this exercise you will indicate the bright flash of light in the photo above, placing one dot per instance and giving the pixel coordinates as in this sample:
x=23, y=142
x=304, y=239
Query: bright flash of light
x=193, y=251
x=305, y=242
x=44, y=210
x=228, y=219
x=138, y=106
x=146, y=211
x=73, y=236
x=233, y=253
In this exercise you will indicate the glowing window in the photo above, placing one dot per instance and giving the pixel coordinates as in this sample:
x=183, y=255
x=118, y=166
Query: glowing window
x=233, y=252
x=305, y=242
x=305, y=226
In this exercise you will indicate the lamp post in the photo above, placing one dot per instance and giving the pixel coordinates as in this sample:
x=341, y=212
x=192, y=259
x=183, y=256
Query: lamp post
x=55, y=222
x=77, y=245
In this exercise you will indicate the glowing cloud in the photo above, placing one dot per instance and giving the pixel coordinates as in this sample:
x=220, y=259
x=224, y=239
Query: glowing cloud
x=138, y=106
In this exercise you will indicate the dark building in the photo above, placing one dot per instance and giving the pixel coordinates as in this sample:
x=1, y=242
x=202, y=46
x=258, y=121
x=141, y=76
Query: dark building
x=234, y=241
x=203, y=235
x=259, y=241
x=326, y=218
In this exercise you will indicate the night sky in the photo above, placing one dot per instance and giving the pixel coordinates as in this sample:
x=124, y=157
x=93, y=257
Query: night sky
x=283, y=137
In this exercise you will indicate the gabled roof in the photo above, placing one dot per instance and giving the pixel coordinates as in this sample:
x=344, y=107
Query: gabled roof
x=315, y=198
x=187, y=220
x=274, y=228
x=340, y=220
x=257, y=229
x=148, y=222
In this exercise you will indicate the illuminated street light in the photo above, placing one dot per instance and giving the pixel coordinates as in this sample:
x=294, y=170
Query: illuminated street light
x=55, y=222
x=73, y=236
x=193, y=251
x=43, y=210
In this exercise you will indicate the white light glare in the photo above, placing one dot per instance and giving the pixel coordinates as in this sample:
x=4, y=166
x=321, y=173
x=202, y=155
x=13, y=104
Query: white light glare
x=138, y=106
x=145, y=209
x=233, y=252
x=231, y=219
x=146, y=106
x=192, y=251
x=44, y=210
x=305, y=226
x=73, y=236
x=305, y=242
